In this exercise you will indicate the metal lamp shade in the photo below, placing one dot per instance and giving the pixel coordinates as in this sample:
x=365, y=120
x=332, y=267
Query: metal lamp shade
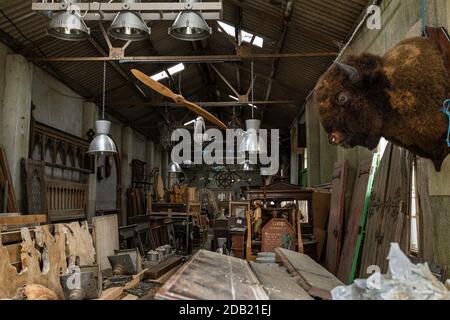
x=129, y=26
x=102, y=143
x=68, y=26
x=246, y=166
x=253, y=143
x=174, y=167
x=190, y=26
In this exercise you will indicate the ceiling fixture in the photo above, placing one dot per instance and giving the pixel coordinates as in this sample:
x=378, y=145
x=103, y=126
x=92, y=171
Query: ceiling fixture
x=200, y=134
x=174, y=167
x=190, y=25
x=129, y=25
x=129, y=18
x=68, y=25
x=252, y=142
x=246, y=166
x=102, y=143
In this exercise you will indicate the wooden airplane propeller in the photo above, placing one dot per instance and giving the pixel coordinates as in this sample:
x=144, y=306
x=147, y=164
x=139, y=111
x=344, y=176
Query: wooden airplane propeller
x=179, y=99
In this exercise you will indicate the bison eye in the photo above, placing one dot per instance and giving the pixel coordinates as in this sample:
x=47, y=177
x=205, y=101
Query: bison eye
x=343, y=98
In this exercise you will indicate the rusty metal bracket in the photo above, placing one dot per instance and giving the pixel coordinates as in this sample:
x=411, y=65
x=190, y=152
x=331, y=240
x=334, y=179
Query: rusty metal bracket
x=115, y=53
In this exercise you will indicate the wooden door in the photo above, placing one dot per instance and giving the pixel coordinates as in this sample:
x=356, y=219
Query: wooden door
x=357, y=218
x=386, y=217
x=336, y=217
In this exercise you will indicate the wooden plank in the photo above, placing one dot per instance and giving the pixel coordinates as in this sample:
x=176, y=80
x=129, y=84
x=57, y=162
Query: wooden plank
x=374, y=213
x=112, y=294
x=395, y=207
x=279, y=284
x=105, y=232
x=130, y=297
x=14, y=253
x=32, y=259
x=156, y=271
x=310, y=275
x=163, y=279
x=6, y=177
x=79, y=243
x=136, y=279
x=357, y=218
x=424, y=212
x=212, y=276
x=22, y=220
x=336, y=218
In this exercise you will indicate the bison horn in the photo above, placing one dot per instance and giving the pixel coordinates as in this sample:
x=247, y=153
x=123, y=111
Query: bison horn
x=350, y=72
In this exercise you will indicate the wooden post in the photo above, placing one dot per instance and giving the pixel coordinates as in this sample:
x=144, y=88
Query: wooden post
x=299, y=232
x=248, y=253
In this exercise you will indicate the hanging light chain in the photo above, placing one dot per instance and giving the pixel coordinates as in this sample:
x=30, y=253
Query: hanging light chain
x=104, y=90
x=253, y=96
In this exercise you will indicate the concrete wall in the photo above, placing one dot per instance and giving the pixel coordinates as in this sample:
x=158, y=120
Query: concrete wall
x=57, y=105
x=400, y=19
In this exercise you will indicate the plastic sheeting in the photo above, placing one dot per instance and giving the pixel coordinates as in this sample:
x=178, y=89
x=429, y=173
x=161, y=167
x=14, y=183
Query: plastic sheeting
x=403, y=281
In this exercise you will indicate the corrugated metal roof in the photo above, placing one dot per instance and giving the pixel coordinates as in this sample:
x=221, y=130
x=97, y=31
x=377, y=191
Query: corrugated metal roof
x=314, y=25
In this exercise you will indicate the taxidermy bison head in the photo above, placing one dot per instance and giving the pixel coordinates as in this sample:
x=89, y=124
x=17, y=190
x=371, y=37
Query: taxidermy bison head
x=398, y=96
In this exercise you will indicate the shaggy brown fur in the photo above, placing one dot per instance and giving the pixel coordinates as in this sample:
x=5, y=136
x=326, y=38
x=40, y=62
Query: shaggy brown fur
x=399, y=97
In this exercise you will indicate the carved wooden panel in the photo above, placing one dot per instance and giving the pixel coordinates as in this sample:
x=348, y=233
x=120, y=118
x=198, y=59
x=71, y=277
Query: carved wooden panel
x=66, y=200
x=34, y=178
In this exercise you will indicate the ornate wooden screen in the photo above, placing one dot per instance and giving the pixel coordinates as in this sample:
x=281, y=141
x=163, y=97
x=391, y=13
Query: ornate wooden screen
x=35, y=185
x=65, y=167
x=66, y=199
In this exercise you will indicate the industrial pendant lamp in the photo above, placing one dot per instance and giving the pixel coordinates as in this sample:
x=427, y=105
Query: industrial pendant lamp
x=102, y=143
x=190, y=25
x=174, y=167
x=129, y=25
x=68, y=25
x=200, y=134
x=252, y=142
x=246, y=166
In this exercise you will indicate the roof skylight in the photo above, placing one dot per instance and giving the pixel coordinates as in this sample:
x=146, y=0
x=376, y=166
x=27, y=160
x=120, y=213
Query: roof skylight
x=246, y=36
x=172, y=71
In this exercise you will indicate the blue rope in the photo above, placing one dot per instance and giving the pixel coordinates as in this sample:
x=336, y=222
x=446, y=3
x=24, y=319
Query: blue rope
x=446, y=110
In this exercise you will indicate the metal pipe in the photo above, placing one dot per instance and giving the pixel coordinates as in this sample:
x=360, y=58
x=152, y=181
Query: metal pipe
x=191, y=59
